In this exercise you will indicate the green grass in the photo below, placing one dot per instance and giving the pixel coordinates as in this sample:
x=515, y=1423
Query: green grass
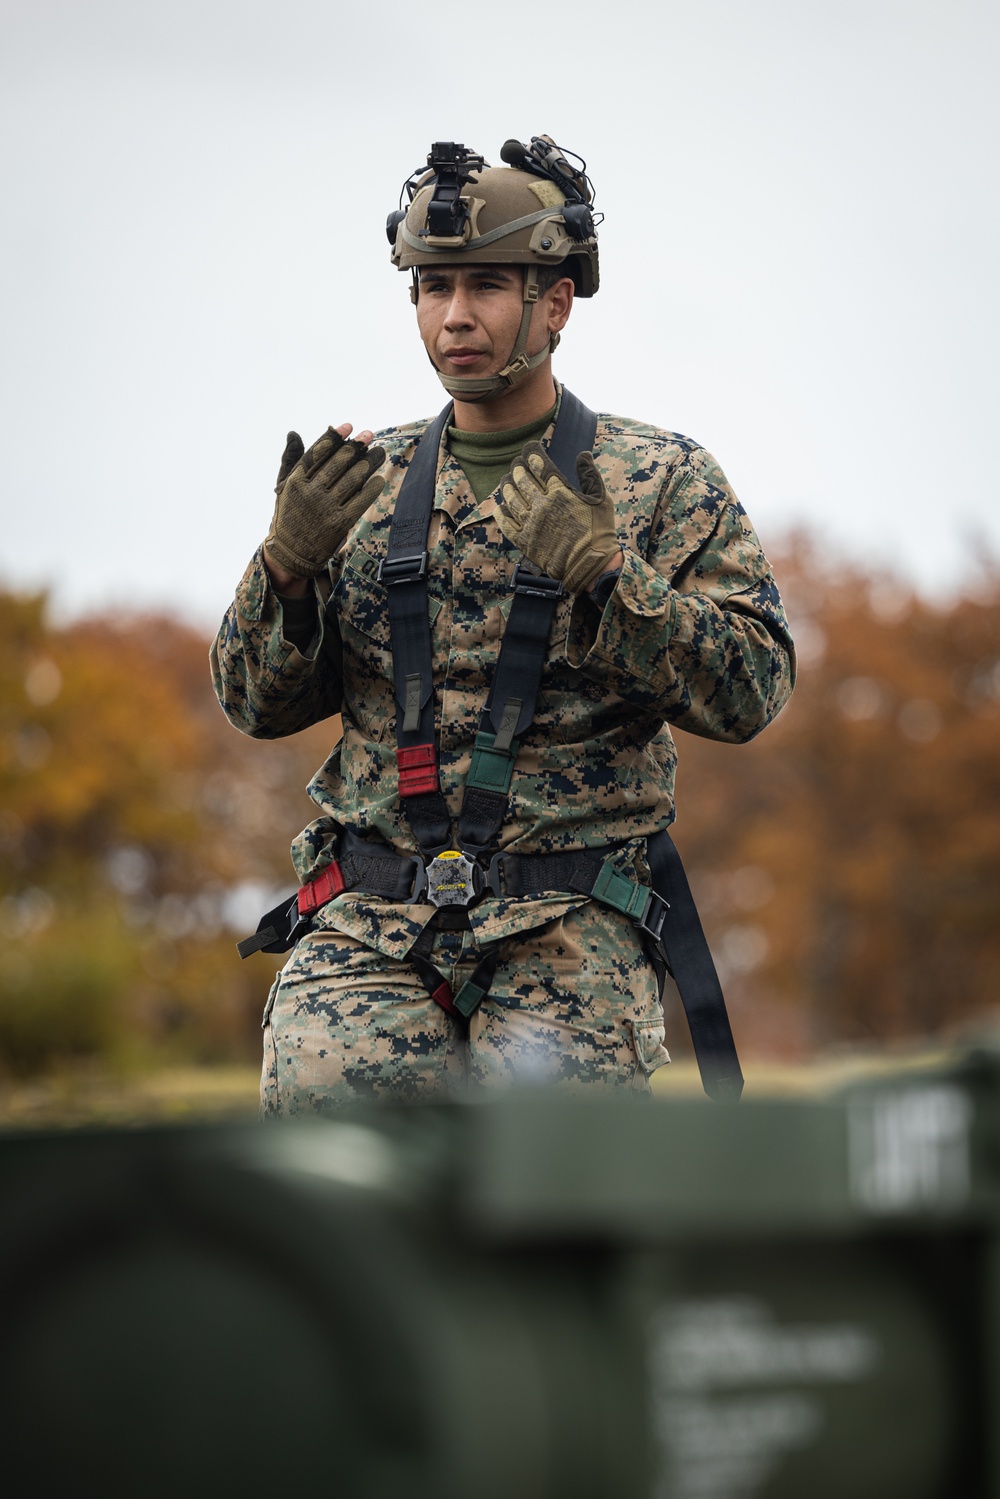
x=74, y=1097
x=90, y=1096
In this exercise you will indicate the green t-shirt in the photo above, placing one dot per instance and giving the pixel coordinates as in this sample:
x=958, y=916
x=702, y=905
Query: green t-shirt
x=487, y=456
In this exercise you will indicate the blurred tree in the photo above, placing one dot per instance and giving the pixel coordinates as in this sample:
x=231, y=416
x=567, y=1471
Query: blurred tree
x=136, y=828
x=848, y=861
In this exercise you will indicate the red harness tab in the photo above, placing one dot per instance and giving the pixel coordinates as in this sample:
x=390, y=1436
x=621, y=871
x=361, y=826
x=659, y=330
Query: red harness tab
x=417, y=769
x=443, y=996
x=318, y=891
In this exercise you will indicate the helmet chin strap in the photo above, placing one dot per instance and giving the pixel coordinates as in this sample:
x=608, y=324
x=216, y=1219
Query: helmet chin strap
x=518, y=365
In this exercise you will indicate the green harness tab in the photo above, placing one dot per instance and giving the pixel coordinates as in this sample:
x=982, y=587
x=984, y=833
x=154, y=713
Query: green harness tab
x=618, y=891
x=469, y=998
x=491, y=769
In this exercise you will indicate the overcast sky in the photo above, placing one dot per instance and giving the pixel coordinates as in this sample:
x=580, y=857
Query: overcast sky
x=800, y=258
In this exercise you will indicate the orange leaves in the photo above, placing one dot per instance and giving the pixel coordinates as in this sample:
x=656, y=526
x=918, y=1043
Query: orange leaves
x=129, y=809
x=110, y=737
x=874, y=805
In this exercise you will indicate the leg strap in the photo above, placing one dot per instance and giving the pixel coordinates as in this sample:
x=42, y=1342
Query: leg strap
x=668, y=919
x=470, y=996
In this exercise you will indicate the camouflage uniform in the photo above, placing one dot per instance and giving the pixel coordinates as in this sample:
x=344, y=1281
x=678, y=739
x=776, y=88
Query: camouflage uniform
x=693, y=635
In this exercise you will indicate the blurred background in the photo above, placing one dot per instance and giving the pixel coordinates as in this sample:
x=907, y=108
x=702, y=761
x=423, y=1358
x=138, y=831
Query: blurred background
x=799, y=270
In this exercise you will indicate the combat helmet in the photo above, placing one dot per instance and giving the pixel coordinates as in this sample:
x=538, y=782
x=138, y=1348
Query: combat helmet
x=535, y=211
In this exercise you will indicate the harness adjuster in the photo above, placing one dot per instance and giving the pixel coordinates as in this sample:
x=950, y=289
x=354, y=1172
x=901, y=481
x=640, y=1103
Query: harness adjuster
x=512, y=371
x=535, y=585
x=417, y=769
x=327, y=884
x=403, y=569
x=653, y=919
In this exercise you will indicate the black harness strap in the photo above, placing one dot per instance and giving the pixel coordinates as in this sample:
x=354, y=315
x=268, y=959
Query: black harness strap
x=404, y=573
x=682, y=945
x=374, y=868
x=533, y=874
x=510, y=706
x=437, y=986
x=574, y=433
x=671, y=929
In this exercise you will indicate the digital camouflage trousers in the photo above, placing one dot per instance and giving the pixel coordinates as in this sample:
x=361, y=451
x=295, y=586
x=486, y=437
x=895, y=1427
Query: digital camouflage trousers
x=572, y=1003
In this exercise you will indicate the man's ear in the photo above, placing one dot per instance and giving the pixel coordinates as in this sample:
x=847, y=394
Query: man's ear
x=560, y=299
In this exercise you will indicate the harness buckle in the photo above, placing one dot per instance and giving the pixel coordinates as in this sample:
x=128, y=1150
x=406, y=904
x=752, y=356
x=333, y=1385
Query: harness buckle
x=494, y=876
x=518, y=366
x=403, y=569
x=452, y=879
x=535, y=585
x=419, y=883
x=298, y=924
x=653, y=919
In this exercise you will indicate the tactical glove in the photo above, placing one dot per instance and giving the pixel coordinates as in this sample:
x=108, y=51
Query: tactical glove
x=569, y=533
x=320, y=495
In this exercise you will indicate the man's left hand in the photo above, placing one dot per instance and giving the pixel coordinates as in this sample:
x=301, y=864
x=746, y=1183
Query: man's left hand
x=569, y=533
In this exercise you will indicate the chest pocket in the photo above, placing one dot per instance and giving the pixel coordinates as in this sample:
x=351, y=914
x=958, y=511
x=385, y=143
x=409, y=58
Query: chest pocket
x=361, y=603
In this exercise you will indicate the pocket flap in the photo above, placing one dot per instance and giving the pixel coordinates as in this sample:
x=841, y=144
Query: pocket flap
x=647, y=1037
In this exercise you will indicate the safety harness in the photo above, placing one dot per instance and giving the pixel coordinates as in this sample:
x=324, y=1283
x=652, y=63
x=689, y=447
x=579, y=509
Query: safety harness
x=454, y=878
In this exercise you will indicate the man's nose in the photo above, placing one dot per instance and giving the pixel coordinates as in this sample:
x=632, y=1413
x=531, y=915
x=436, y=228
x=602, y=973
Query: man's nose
x=459, y=313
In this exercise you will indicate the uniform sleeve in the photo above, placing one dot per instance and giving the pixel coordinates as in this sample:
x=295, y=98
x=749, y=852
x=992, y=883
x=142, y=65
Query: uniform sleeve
x=267, y=686
x=695, y=629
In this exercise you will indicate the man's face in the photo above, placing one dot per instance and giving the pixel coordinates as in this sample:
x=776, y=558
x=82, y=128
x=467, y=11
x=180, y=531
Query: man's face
x=469, y=316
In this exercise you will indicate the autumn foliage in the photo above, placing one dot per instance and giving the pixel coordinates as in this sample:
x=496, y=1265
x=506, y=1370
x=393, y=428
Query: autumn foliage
x=847, y=863
x=139, y=836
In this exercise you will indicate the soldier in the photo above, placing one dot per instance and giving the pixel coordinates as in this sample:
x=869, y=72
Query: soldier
x=510, y=607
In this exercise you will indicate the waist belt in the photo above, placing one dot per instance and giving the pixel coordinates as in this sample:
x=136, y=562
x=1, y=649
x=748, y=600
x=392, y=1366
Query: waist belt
x=665, y=915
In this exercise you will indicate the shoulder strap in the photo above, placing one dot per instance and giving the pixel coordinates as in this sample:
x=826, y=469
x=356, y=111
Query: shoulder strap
x=517, y=676
x=404, y=573
x=574, y=433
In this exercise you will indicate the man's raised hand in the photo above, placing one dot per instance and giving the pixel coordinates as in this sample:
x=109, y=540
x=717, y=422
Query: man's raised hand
x=321, y=493
x=569, y=533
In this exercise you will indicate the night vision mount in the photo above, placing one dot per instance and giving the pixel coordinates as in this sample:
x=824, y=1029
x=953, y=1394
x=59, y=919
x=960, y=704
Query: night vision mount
x=450, y=165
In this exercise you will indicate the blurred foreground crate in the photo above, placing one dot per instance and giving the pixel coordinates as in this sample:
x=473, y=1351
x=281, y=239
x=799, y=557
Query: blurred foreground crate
x=529, y=1298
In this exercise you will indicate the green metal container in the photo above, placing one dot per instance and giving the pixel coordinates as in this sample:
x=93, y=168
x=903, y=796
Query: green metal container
x=528, y=1298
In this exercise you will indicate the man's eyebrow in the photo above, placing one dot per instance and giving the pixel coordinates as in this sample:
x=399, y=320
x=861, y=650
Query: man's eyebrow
x=428, y=273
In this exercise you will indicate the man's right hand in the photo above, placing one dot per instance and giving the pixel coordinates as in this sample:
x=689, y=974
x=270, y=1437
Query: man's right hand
x=320, y=495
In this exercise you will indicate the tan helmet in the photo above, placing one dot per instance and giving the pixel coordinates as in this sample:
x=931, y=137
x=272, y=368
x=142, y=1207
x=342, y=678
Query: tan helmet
x=533, y=212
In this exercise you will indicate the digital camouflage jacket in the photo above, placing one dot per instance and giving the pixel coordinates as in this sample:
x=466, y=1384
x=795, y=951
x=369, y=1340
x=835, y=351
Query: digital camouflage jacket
x=693, y=637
